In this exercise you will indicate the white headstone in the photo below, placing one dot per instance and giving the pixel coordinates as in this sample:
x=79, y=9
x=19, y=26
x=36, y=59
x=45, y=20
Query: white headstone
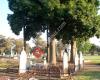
x=81, y=60
x=31, y=63
x=12, y=53
x=68, y=47
x=23, y=61
x=65, y=61
x=45, y=61
x=76, y=62
x=3, y=53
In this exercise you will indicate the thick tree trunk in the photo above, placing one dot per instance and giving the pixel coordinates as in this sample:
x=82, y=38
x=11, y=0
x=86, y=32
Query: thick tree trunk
x=53, y=52
x=73, y=49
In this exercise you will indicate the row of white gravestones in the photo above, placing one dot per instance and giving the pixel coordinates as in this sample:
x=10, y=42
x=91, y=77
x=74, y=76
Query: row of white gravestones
x=79, y=61
x=24, y=62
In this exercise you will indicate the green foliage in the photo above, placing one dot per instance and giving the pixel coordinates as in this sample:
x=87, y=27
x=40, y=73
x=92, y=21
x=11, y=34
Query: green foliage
x=40, y=42
x=2, y=44
x=97, y=24
x=83, y=46
x=83, y=21
x=88, y=75
x=35, y=15
x=24, y=15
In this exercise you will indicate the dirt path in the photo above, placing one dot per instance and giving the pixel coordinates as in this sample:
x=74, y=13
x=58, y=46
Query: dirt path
x=89, y=66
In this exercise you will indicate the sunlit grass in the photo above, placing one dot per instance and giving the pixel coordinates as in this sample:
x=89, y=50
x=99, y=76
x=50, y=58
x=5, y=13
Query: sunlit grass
x=93, y=59
x=7, y=63
x=88, y=75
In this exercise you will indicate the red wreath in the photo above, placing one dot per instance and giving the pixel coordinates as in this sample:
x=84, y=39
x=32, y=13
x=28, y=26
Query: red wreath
x=38, y=52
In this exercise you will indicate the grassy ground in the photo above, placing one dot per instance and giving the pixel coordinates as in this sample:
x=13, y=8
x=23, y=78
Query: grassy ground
x=8, y=63
x=89, y=74
x=93, y=59
x=83, y=75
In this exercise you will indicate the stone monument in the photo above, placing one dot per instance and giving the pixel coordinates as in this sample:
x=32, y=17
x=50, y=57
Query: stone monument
x=23, y=62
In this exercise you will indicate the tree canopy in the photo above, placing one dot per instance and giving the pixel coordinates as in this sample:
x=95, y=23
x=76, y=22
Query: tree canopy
x=80, y=16
x=84, y=46
x=35, y=15
x=84, y=21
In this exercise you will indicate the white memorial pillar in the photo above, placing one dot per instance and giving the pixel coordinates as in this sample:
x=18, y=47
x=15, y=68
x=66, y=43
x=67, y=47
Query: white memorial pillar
x=12, y=54
x=65, y=62
x=22, y=62
x=76, y=62
x=68, y=47
x=45, y=62
x=81, y=60
x=4, y=54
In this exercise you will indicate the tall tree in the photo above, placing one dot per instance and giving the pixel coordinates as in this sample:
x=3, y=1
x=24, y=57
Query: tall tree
x=82, y=22
x=36, y=15
x=22, y=17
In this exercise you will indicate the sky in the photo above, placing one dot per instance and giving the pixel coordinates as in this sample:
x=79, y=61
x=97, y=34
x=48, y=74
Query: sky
x=5, y=27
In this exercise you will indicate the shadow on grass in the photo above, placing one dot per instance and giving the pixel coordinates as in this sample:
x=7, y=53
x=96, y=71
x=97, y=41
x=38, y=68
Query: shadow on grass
x=88, y=75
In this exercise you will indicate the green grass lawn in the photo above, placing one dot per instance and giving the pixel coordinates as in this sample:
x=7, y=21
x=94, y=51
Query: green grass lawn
x=93, y=59
x=89, y=75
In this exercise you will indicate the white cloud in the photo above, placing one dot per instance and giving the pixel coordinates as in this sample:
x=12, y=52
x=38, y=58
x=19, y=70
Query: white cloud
x=95, y=40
